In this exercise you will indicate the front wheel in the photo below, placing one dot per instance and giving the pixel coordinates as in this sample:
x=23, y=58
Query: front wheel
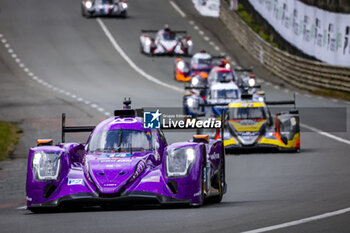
x=141, y=49
x=124, y=14
x=221, y=183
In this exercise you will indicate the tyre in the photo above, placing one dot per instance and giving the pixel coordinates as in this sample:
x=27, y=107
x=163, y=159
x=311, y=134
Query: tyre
x=141, y=49
x=218, y=198
x=202, y=179
x=83, y=12
x=124, y=14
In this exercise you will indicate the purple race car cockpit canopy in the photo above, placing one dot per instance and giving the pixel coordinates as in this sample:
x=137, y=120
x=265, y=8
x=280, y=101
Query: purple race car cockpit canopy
x=119, y=134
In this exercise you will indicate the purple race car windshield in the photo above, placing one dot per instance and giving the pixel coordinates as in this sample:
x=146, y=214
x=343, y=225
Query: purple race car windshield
x=120, y=140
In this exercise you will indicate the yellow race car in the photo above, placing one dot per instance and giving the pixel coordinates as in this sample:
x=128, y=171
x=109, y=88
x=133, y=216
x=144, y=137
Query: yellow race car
x=249, y=124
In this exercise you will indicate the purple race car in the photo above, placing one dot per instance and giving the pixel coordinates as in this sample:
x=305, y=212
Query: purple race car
x=124, y=162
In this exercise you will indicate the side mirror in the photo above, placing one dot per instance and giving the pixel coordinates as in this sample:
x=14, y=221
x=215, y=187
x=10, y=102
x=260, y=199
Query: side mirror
x=201, y=138
x=44, y=142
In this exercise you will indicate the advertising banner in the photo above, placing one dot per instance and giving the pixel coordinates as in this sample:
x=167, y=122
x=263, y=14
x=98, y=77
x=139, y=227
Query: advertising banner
x=207, y=7
x=319, y=33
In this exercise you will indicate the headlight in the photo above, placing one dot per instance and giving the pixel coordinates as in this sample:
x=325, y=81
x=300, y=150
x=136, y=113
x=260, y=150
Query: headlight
x=148, y=42
x=261, y=99
x=46, y=165
x=227, y=66
x=189, y=43
x=124, y=5
x=181, y=65
x=179, y=161
x=251, y=82
x=194, y=81
x=191, y=102
x=88, y=4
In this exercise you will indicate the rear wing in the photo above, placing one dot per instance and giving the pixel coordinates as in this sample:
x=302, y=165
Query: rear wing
x=155, y=31
x=81, y=129
x=250, y=87
x=243, y=70
x=283, y=102
x=73, y=129
x=212, y=105
x=198, y=88
x=218, y=57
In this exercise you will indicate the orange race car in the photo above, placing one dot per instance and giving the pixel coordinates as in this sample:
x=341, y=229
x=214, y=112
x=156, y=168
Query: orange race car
x=201, y=64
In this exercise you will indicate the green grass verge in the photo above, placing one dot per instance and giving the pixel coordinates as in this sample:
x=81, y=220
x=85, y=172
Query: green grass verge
x=9, y=137
x=331, y=93
x=248, y=18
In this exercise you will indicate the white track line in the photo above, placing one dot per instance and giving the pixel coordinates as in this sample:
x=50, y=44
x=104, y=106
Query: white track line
x=300, y=221
x=326, y=134
x=22, y=207
x=42, y=82
x=335, y=100
x=131, y=63
x=177, y=8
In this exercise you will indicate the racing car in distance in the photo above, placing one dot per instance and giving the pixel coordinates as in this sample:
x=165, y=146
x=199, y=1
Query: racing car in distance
x=209, y=101
x=201, y=63
x=210, y=96
x=124, y=162
x=166, y=42
x=242, y=77
x=249, y=125
x=91, y=8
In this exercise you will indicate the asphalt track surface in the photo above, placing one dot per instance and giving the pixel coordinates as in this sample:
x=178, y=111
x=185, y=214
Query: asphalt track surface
x=77, y=70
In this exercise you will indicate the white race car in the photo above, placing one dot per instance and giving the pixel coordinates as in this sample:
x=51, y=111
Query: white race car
x=166, y=42
x=95, y=8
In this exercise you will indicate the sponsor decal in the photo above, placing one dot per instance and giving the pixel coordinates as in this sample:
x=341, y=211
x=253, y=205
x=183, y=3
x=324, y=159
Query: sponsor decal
x=117, y=155
x=75, y=181
x=214, y=156
x=116, y=160
x=110, y=185
x=197, y=194
x=124, y=121
x=151, y=179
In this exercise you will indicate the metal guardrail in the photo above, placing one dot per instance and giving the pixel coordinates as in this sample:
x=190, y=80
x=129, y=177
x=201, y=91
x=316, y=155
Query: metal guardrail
x=301, y=72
